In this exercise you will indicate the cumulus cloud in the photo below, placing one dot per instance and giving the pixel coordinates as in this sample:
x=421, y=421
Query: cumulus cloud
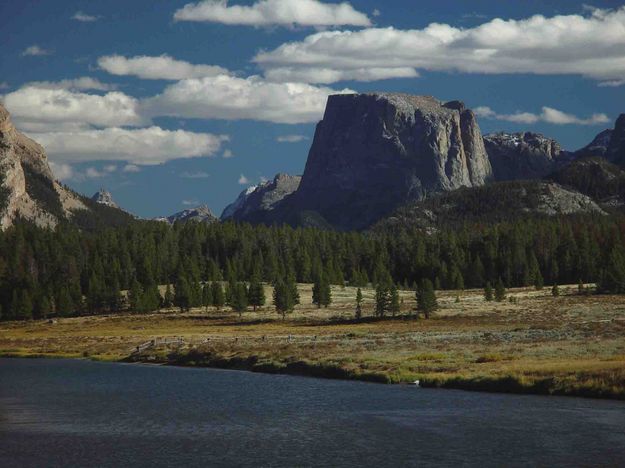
x=40, y=109
x=243, y=180
x=142, y=146
x=194, y=175
x=232, y=98
x=611, y=83
x=34, y=51
x=590, y=45
x=61, y=171
x=329, y=75
x=84, y=17
x=291, y=138
x=227, y=154
x=75, y=84
x=161, y=67
x=131, y=168
x=274, y=13
x=548, y=115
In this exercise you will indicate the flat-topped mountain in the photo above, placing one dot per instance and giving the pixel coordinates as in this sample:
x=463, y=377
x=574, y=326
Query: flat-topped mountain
x=524, y=155
x=374, y=152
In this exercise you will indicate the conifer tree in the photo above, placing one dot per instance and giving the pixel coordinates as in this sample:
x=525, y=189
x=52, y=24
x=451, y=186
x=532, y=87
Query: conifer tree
x=555, y=290
x=135, y=295
x=239, y=298
x=426, y=298
x=168, y=299
x=182, y=294
x=500, y=291
x=488, y=292
x=381, y=299
x=256, y=293
x=283, y=298
x=207, y=296
x=393, y=306
x=613, y=276
x=218, y=295
x=358, y=304
x=538, y=280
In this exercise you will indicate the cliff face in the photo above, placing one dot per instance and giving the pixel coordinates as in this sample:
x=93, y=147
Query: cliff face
x=374, y=152
x=27, y=187
x=515, y=156
x=257, y=204
x=616, y=149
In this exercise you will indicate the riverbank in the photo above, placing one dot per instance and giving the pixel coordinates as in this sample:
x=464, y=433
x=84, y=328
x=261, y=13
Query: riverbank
x=568, y=345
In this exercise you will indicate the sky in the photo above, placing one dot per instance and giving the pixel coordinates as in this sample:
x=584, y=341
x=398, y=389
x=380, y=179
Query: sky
x=170, y=104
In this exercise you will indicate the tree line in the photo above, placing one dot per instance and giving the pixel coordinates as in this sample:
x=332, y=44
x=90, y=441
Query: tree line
x=66, y=271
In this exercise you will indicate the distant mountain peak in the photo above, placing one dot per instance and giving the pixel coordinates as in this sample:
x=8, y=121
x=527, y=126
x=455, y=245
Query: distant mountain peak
x=104, y=197
x=201, y=213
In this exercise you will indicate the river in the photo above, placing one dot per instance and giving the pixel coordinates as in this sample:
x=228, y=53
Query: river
x=83, y=413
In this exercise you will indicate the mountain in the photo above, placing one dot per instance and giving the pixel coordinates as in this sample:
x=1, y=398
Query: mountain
x=495, y=202
x=616, y=149
x=257, y=204
x=375, y=152
x=29, y=191
x=595, y=177
x=201, y=214
x=598, y=146
x=104, y=197
x=527, y=155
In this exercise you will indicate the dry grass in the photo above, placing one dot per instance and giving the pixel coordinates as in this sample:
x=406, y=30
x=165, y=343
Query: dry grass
x=569, y=345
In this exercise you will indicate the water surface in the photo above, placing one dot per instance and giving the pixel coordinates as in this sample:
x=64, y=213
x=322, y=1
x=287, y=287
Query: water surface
x=82, y=413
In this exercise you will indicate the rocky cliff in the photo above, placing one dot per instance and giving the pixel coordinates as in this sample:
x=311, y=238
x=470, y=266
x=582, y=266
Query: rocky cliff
x=374, y=152
x=27, y=187
x=104, y=197
x=200, y=214
x=598, y=146
x=616, y=149
x=257, y=204
x=527, y=155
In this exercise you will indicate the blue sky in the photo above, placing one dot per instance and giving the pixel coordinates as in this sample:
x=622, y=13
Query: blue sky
x=170, y=106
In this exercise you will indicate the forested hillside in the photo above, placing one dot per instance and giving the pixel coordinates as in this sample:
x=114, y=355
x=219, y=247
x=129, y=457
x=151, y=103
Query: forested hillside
x=68, y=271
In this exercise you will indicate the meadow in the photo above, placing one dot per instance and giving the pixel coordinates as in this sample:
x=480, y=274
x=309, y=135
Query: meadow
x=532, y=342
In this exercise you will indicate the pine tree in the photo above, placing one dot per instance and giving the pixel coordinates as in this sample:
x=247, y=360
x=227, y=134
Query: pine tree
x=381, y=299
x=500, y=291
x=207, y=296
x=182, y=294
x=358, y=304
x=393, y=306
x=239, y=298
x=613, y=276
x=218, y=295
x=168, y=299
x=488, y=292
x=426, y=298
x=555, y=290
x=538, y=280
x=317, y=292
x=256, y=293
x=283, y=298
x=135, y=295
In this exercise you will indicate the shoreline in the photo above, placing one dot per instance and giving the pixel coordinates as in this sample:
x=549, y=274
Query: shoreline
x=196, y=359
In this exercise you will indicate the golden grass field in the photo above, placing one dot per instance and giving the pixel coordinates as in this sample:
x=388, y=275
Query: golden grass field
x=571, y=344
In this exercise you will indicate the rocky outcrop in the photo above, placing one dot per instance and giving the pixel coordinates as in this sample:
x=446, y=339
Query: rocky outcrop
x=495, y=202
x=516, y=156
x=200, y=214
x=598, y=146
x=104, y=197
x=616, y=149
x=374, y=152
x=258, y=204
x=28, y=189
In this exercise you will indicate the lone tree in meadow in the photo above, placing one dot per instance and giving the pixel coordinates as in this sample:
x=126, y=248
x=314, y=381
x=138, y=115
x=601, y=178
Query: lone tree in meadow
x=500, y=291
x=321, y=292
x=488, y=292
x=358, y=304
x=394, y=306
x=284, y=298
x=426, y=298
x=256, y=293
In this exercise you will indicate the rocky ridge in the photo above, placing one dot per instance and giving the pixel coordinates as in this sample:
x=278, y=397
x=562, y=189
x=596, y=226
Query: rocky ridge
x=201, y=214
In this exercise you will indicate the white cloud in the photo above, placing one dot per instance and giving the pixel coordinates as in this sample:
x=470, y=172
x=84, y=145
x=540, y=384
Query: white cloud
x=227, y=154
x=34, y=51
x=611, y=83
x=38, y=109
x=232, y=98
x=93, y=173
x=74, y=84
x=194, y=175
x=192, y=202
x=548, y=115
x=110, y=168
x=61, y=171
x=243, y=180
x=151, y=145
x=376, y=12
x=274, y=12
x=590, y=45
x=161, y=67
x=131, y=168
x=84, y=17
x=291, y=138
x=329, y=75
